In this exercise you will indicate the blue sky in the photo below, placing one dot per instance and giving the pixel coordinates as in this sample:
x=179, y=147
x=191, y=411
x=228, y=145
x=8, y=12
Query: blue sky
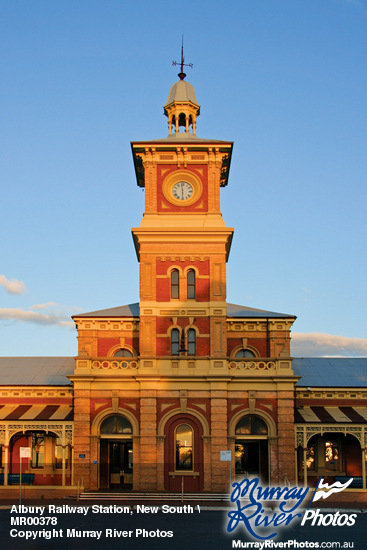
x=285, y=80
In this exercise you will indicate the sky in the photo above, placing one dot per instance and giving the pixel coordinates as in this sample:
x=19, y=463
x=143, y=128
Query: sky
x=285, y=80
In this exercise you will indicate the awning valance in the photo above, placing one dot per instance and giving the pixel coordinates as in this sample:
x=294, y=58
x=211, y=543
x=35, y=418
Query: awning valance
x=330, y=415
x=36, y=412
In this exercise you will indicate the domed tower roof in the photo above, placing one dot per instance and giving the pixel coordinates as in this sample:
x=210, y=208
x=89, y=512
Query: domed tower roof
x=181, y=91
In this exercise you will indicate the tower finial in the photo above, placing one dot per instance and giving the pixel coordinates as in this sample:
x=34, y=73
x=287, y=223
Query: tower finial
x=182, y=74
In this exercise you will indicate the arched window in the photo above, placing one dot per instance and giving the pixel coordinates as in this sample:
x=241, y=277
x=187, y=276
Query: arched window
x=247, y=353
x=183, y=442
x=175, y=284
x=115, y=425
x=251, y=425
x=122, y=353
x=191, y=342
x=325, y=453
x=175, y=341
x=191, y=284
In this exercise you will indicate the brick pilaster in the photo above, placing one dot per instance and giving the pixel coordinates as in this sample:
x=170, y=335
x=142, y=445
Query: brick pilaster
x=148, y=440
x=82, y=436
x=219, y=440
x=286, y=457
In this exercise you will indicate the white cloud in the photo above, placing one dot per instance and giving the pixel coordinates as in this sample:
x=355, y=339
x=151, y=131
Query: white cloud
x=317, y=344
x=44, y=306
x=12, y=286
x=51, y=317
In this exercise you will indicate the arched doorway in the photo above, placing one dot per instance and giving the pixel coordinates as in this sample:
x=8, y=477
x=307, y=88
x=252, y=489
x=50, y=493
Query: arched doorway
x=116, y=453
x=183, y=455
x=330, y=455
x=251, y=448
x=49, y=462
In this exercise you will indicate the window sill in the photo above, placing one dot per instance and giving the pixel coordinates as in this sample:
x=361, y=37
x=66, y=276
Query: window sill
x=184, y=473
x=322, y=473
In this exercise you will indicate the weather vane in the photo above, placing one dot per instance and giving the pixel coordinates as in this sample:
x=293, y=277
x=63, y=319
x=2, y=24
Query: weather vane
x=182, y=74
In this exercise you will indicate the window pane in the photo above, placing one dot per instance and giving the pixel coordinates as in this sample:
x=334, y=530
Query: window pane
x=332, y=462
x=310, y=457
x=245, y=353
x=184, y=447
x=251, y=425
x=38, y=449
x=116, y=424
x=191, y=284
x=239, y=457
x=244, y=426
x=175, y=337
x=191, y=342
x=258, y=426
x=175, y=284
x=123, y=353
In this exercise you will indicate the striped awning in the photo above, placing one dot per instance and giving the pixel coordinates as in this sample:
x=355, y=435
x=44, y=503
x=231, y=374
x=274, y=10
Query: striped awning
x=331, y=415
x=36, y=412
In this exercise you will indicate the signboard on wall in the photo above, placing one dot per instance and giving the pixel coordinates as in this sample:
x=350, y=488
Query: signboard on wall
x=24, y=452
x=225, y=456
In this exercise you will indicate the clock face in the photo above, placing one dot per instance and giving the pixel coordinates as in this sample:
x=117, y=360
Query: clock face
x=182, y=190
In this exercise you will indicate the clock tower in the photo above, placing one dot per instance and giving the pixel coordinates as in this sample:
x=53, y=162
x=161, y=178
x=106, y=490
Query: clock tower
x=162, y=386
x=182, y=242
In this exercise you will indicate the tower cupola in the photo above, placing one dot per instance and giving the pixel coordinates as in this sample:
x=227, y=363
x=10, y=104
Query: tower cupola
x=181, y=107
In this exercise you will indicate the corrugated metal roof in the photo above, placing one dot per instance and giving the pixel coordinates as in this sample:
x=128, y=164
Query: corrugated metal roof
x=233, y=310
x=331, y=371
x=130, y=310
x=314, y=371
x=36, y=371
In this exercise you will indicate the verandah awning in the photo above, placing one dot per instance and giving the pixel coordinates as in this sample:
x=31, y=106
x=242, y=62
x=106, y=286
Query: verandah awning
x=330, y=415
x=36, y=412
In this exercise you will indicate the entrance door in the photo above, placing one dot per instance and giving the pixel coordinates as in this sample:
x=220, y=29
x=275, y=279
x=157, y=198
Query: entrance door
x=252, y=459
x=116, y=468
x=183, y=459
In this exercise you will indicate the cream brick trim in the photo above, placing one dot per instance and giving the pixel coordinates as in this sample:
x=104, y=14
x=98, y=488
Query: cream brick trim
x=258, y=325
x=272, y=430
x=322, y=393
x=119, y=346
x=197, y=274
x=113, y=323
x=178, y=412
x=101, y=416
x=36, y=391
